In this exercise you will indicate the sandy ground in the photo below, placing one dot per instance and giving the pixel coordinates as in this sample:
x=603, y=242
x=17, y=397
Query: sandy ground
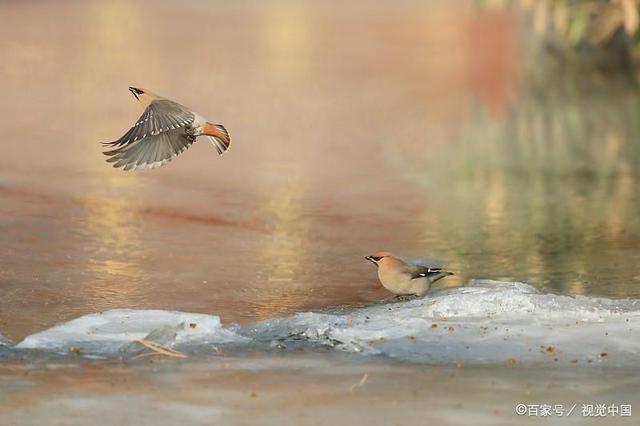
x=302, y=389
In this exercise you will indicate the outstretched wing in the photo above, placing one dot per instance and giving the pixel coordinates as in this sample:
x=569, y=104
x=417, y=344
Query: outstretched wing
x=151, y=151
x=159, y=135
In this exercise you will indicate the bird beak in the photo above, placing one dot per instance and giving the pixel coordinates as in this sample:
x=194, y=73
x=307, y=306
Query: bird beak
x=134, y=91
x=370, y=259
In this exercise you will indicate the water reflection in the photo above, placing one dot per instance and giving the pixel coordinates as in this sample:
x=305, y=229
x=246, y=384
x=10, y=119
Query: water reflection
x=547, y=193
x=365, y=127
x=114, y=264
x=283, y=253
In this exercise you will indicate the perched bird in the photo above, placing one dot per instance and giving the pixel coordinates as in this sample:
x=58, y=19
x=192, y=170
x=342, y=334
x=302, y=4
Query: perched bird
x=402, y=278
x=164, y=130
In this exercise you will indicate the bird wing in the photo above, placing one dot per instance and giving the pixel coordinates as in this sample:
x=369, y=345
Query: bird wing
x=418, y=271
x=159, y=135
x=151, y=151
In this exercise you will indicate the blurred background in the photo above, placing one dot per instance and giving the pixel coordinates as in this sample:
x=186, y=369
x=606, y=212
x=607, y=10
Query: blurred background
x=498, y=137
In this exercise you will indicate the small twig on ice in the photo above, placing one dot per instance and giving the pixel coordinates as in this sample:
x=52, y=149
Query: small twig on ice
x=158, y=350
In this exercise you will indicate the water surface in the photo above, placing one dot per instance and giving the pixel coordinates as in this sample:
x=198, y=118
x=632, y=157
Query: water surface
x=386, y=127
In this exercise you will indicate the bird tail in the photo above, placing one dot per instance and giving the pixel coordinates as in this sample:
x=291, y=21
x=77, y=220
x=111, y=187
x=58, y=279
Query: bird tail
x=218, y=135
x=437, y=275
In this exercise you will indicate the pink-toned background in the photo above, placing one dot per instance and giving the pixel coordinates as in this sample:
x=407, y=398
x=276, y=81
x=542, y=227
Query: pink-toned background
x=356, y=127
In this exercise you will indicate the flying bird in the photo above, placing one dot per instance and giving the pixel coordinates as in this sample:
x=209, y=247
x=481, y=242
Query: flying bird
x=402, y=278
x=164, y=130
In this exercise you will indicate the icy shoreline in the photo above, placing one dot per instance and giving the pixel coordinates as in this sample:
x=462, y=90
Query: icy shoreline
x=486, y=322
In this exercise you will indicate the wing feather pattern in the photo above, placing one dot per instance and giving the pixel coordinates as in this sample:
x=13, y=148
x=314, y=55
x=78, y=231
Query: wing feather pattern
x=159, y=135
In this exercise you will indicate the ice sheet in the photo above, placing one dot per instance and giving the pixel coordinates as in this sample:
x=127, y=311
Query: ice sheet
x=112, y=332
x=486, y=322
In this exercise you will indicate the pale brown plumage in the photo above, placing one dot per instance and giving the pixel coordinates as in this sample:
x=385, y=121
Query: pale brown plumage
x=402, y=278
x=164, y=130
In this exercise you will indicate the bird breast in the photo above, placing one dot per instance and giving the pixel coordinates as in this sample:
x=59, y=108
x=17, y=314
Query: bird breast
x=401, y=283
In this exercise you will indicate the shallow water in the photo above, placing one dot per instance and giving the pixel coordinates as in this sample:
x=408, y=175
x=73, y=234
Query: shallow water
x=356, y=127
x=389, y=134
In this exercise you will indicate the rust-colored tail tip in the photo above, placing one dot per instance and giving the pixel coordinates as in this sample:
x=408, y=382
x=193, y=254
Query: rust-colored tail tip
x=218, y=135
